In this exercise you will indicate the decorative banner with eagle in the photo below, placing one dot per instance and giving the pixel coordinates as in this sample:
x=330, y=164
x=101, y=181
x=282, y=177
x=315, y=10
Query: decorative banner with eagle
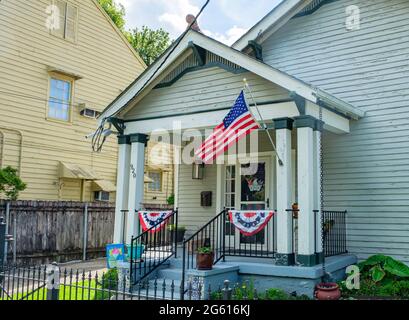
x=251, y=222
x=154, y=220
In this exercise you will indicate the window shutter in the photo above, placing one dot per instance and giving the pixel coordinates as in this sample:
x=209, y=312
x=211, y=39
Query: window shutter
x=59, y=20
x=71, y=23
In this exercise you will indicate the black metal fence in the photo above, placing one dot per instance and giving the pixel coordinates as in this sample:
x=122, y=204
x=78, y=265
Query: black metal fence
x=52, y=283
x=153, y=247
x=334, y=233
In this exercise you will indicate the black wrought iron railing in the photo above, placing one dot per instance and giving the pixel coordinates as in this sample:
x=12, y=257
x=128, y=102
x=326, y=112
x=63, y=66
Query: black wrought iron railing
x=334, y=233
x=210, y=235
x=226, y=242
x=153, y=247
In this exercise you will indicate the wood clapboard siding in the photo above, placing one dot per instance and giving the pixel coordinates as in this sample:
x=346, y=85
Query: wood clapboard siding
x=107, y=66
x=205, y=89
x=366, y=171
x=192, y=215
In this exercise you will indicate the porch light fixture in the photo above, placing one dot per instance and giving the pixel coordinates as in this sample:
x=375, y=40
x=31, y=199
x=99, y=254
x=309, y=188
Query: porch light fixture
x=198, y=171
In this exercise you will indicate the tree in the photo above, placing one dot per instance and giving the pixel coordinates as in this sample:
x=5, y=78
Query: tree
x=115, y=11
x=150, y=44
x=10, y=183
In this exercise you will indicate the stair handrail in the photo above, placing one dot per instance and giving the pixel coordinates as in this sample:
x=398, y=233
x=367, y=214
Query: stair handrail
x=195, y=235
x=173, y=215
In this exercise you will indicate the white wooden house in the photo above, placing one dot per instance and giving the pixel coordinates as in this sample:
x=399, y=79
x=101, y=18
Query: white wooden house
x=343, y=62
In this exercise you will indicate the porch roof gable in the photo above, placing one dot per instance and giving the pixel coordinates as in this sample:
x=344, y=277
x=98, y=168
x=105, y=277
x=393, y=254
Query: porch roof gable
x=147, y=80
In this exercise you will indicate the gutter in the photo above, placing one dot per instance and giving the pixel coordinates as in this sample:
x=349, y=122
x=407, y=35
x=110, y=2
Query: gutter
x=339, y=104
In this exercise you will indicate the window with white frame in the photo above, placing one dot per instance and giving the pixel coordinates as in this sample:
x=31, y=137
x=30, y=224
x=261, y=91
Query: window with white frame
x=59, y=101
x=65, y=20
x=156, y=184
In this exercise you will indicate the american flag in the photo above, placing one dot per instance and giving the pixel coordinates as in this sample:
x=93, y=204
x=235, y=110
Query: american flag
x=238, y=123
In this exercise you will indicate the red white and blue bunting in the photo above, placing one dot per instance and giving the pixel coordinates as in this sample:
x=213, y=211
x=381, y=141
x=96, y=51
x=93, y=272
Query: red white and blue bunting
x=149, y=219
x=252, y=222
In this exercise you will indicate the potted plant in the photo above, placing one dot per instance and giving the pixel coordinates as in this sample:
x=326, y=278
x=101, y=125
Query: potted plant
x=179, y=232
x=327, y=291
x=204, y=258
x=295, y=209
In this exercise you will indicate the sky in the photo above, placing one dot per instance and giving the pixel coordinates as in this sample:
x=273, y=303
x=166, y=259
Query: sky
x=224, y=20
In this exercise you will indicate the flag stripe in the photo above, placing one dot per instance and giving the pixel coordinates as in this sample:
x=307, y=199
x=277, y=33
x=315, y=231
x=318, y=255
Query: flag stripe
x=230, y=134
x=215, y=135
x=226, y=134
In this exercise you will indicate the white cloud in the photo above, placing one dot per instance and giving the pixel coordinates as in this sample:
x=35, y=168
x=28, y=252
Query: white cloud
x=229, y=37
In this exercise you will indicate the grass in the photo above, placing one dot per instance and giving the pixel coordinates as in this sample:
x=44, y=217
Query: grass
x=84, y=290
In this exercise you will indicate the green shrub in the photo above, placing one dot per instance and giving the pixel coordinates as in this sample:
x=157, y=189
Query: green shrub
x=204, y=250
x=276, y=294
x=110, y=280
x=396, y=289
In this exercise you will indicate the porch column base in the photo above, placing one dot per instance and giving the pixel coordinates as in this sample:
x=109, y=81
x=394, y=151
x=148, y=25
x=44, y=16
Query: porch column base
x=307, y=260
x=285, y=259
x=319, y=257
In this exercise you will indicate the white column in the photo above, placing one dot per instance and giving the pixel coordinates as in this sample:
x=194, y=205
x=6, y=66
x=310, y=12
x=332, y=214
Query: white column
x=285, y=250
x=305, y=163
x=136, y=183
x=317, y=186
x=122, y=188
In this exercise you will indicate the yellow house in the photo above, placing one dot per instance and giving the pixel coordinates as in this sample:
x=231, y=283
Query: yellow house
x=61, y=62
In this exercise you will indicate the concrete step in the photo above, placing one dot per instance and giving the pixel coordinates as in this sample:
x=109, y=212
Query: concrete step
x=170, y=273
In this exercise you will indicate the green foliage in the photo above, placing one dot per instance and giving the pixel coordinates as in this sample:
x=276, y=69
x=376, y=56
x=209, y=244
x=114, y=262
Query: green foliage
x=204, y=250
x=171, y=200
x=150, y=44
x=116, y=11
x=380, y=276
x=247, y=291
x=10, y=183
x=110, y=280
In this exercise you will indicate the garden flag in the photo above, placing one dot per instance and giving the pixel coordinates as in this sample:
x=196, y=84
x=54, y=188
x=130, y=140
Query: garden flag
x=250, y=222
x=238, y=123
x=154, y=220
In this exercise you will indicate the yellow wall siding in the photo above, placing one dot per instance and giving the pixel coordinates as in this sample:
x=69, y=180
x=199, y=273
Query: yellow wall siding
x=107, y=66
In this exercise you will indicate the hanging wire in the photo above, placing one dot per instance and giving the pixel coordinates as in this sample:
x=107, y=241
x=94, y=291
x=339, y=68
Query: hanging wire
x=247, y=86
x=98, y=139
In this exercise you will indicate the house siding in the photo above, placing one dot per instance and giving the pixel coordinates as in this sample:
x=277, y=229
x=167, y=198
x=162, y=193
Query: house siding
x=203, y=90
x=28, y=141
x=366, y=171
x=191, y=213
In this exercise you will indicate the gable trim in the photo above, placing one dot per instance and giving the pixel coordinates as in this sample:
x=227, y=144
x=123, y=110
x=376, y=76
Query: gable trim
x=313, y=7
x=198, y=68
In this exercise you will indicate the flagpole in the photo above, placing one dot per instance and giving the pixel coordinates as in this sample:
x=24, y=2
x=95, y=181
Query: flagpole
x=246, y=85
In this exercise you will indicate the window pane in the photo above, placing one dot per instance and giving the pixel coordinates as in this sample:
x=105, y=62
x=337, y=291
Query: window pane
x=71, y=23
x=70, y=32
x=60, y=99
x=156, y=185
x=60, y=10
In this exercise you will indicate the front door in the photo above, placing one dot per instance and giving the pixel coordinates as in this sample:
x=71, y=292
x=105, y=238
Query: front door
x=247, y=187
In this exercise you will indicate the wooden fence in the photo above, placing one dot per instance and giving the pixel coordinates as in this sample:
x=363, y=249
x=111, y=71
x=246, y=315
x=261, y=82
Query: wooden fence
x=47, y=231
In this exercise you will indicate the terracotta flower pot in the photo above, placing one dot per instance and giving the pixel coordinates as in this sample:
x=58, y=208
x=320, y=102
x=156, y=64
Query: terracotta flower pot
x=204, y=261
x=327, y=291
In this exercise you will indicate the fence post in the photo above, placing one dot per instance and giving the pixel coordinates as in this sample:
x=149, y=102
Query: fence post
x=227, y=291
x=53, y=281
x=3, y=251
x=15, y=238
x=85, y=235
x=7, y=230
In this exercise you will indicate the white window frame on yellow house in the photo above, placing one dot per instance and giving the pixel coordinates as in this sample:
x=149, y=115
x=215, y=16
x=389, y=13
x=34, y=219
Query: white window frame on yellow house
x=69, y=103
x=148, y=187
x=63, y=20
